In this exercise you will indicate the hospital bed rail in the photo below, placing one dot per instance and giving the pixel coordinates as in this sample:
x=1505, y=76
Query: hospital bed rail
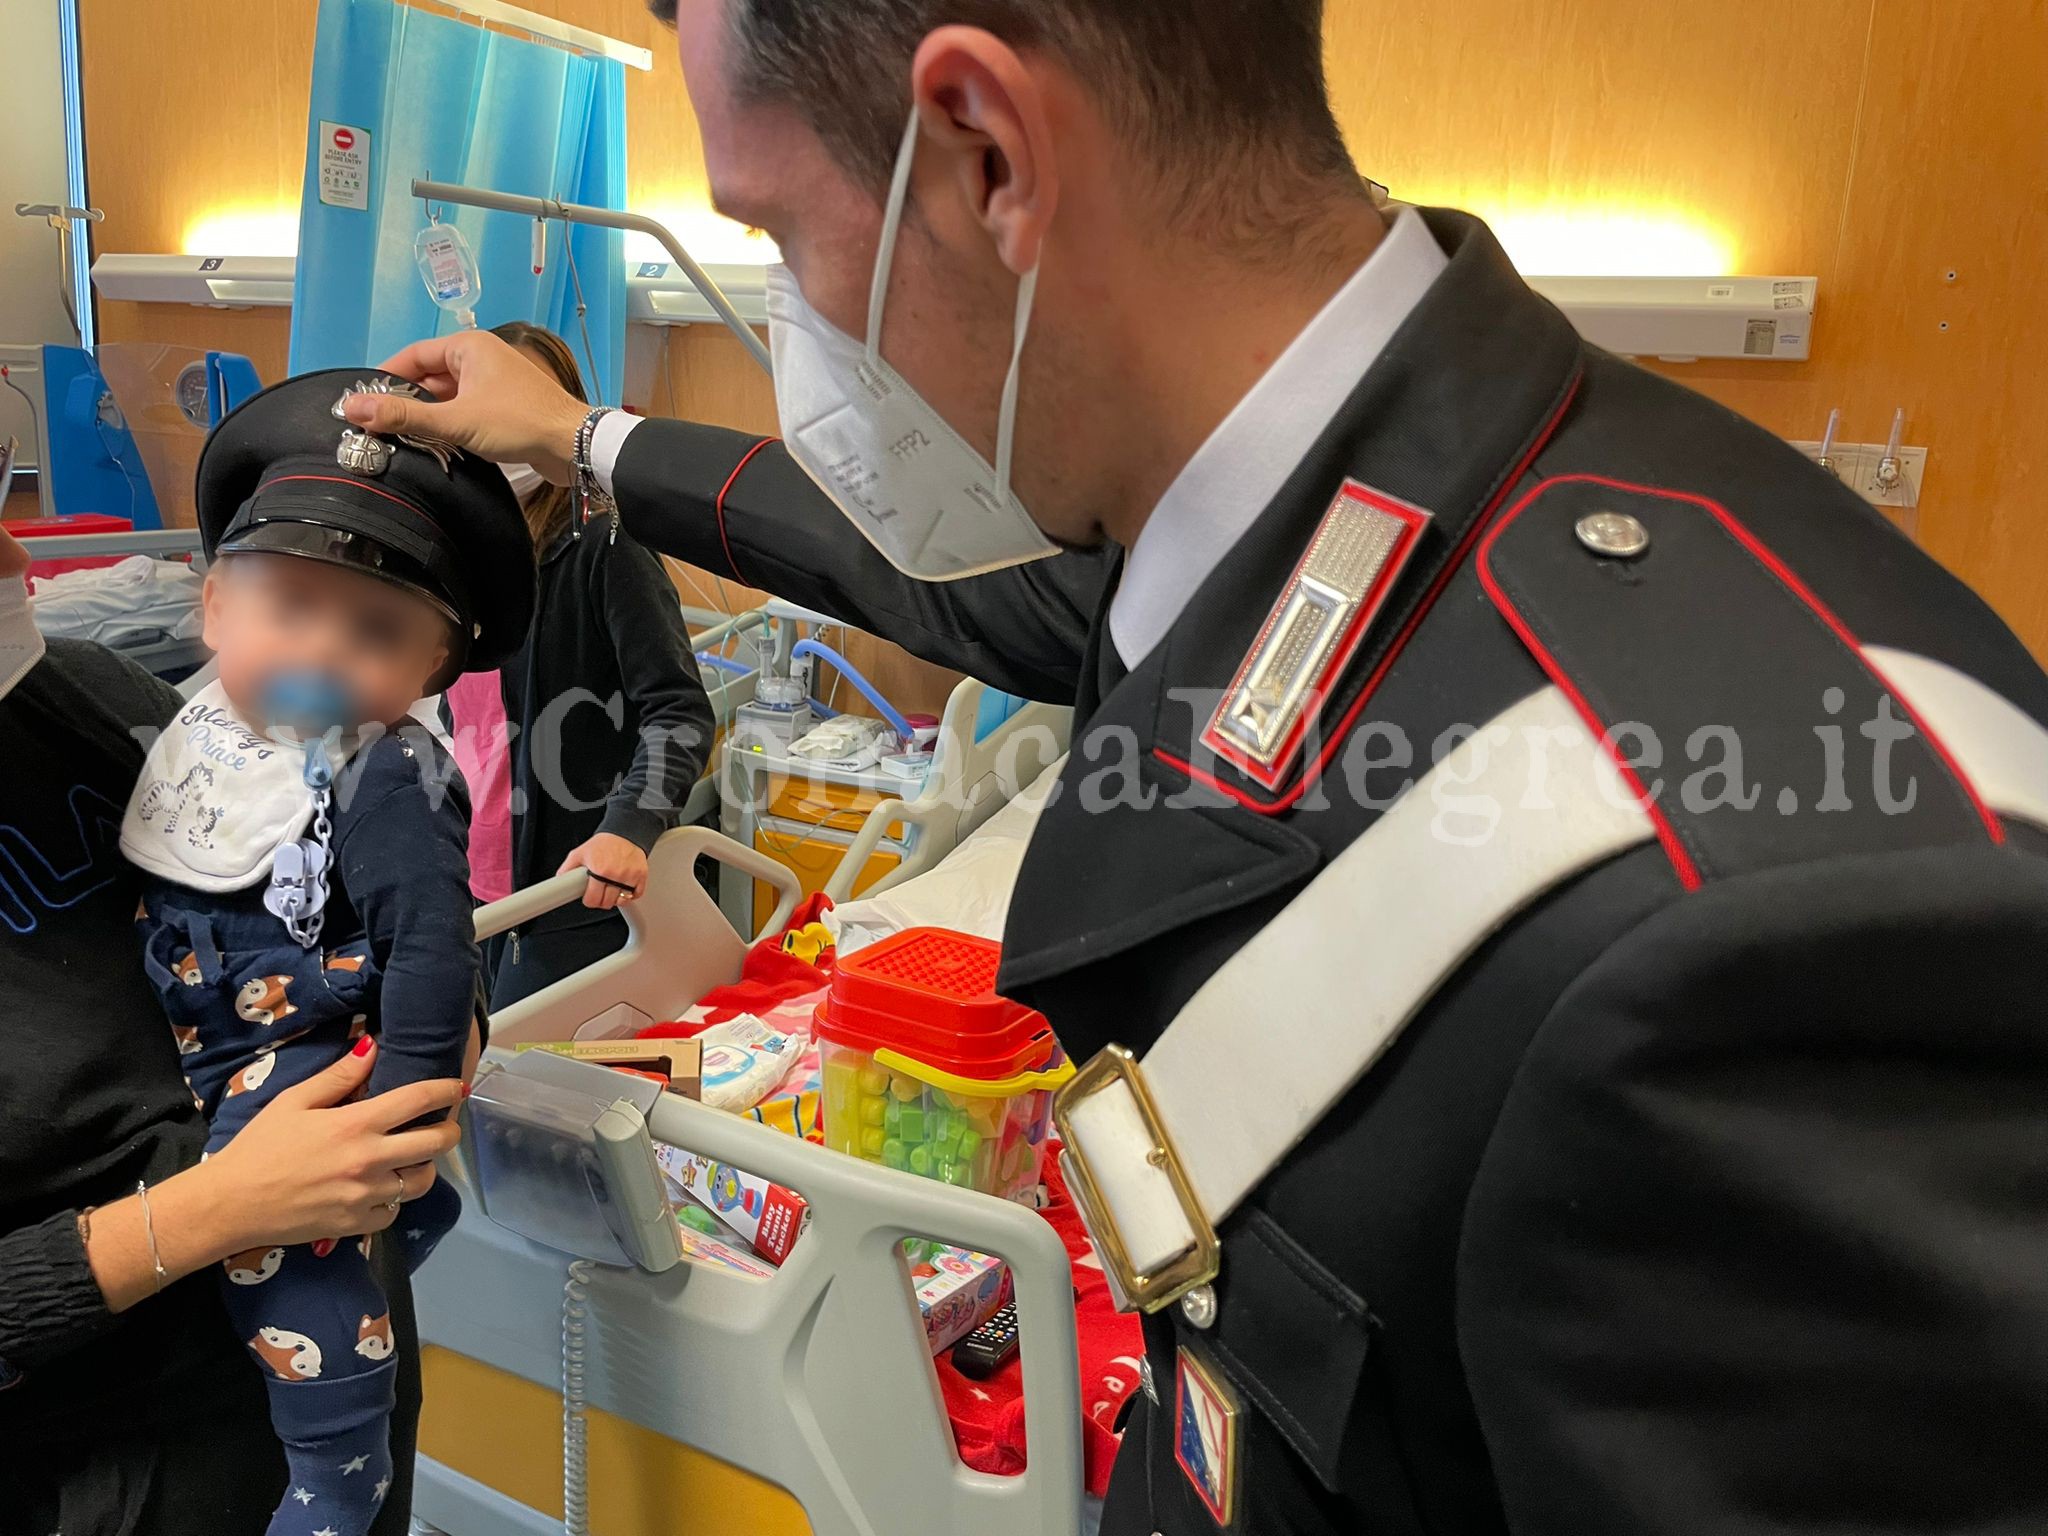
x=166, y=655
x=975, y=772
x=164, y=543
x=818, y=1380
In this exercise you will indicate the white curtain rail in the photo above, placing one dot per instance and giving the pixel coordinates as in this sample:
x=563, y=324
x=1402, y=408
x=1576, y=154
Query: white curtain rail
x=546, y=29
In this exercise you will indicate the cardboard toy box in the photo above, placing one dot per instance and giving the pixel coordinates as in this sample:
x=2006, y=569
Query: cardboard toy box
x=701, y=1249
x=676, y=1064
x=768, y=1216
x=957, y=1291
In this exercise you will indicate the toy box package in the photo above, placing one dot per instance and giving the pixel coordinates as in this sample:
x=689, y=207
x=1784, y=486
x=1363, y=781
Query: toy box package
x=676, y=1064
x=720, y=1254
x=957, y=1291
x=768, y=1216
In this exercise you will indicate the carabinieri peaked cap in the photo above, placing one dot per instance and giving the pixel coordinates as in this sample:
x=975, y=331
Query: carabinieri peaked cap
x=287, y=474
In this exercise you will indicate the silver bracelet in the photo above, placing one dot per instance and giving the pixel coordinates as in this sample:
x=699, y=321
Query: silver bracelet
x=163, y=1276
x=590, y=501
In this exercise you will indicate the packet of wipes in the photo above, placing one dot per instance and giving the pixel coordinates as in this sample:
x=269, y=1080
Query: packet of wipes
x=745, y=1060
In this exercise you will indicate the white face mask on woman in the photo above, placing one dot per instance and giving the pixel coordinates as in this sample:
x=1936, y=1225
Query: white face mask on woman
x=21, y=643
x=885, y=456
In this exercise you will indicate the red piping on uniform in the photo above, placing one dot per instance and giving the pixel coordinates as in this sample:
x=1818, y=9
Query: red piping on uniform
x=359, y=485
x=1768, y=558
x=1314, y=770
x=1681, y=859
x=719, y=506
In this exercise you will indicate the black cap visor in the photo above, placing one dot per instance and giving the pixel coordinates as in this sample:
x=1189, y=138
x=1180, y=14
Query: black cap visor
x=395, y=542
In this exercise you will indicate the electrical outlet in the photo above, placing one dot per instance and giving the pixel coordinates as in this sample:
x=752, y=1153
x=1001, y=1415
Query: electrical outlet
x=1857, y=465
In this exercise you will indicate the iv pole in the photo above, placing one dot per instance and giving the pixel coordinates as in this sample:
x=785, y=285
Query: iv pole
x=604, y=218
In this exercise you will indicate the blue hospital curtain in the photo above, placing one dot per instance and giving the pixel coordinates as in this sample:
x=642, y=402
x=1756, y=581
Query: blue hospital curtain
x=400, y=92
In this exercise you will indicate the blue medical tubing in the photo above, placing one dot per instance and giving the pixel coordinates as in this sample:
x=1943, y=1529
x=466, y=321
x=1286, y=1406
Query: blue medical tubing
x=723, y=663
x=883, y=707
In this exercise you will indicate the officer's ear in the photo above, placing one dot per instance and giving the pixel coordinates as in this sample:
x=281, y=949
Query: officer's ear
x=983, y=109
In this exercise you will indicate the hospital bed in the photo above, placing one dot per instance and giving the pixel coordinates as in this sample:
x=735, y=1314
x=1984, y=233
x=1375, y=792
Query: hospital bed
x=990, y=746
x=718, y=1402
x=142, y=599
x=865, y=831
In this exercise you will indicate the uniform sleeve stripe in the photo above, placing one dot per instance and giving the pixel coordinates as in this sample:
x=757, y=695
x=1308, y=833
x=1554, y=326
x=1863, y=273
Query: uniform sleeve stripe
x=725, y=490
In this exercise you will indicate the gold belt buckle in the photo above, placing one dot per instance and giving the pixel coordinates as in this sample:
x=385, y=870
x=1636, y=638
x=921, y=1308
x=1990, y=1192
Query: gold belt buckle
x=1199, y=1264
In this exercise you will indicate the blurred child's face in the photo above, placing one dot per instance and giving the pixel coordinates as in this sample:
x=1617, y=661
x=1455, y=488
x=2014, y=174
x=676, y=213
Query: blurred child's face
x=267, y=615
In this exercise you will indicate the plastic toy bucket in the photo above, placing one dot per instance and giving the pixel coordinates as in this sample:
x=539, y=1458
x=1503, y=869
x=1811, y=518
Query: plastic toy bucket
x=928, y=1070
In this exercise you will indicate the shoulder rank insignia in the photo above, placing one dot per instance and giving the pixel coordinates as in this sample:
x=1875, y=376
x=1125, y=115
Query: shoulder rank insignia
x=368, y=454
x=1205, y=1435
x=1314, y=630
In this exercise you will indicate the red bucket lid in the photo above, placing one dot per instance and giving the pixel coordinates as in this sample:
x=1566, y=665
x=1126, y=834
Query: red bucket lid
x=930, y=994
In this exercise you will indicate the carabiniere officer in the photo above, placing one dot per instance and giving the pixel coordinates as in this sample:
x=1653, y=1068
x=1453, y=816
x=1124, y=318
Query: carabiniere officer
x=1566, y=877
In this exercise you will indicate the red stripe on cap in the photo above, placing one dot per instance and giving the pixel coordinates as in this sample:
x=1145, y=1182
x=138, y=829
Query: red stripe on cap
x=354, y=485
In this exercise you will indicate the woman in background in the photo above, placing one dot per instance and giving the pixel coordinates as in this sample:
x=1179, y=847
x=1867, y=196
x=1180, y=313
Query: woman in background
x=608, y=725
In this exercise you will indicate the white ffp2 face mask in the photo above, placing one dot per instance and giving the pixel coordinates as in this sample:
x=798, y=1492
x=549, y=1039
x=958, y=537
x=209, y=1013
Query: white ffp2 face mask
x=21, y=643
x=913, y=485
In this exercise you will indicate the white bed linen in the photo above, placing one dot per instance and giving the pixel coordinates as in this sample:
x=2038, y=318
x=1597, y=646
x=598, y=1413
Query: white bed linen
x=969, y=890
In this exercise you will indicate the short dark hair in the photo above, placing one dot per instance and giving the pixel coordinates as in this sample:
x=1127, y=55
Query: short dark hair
x=1204, y=86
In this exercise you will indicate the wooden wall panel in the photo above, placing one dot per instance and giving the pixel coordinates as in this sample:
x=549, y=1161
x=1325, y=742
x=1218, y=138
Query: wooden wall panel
x=1935, y=300
x=1879, y=144
x=1737, y=119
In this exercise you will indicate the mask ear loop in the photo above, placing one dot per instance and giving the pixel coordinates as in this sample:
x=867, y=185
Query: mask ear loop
x=892, y=226
x=1006, y=418
x=878, y=295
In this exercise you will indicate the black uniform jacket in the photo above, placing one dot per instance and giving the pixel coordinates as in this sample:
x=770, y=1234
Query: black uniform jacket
x=1708, y=1195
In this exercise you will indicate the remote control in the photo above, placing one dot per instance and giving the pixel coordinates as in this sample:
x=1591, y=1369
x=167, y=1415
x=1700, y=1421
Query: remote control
x=989, y=1348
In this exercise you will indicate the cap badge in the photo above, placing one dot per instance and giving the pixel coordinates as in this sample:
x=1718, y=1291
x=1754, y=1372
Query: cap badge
x=368, y=454
x=363, y=453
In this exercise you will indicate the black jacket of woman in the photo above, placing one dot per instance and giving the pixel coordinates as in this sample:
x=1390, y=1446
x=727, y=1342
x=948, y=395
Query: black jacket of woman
x=612, y=730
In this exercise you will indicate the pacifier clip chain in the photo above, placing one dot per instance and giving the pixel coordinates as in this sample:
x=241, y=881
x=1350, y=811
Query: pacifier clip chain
x=298, y=876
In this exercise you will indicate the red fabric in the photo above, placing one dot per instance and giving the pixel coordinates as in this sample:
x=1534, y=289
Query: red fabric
x=987, y=1416
x=769, y=976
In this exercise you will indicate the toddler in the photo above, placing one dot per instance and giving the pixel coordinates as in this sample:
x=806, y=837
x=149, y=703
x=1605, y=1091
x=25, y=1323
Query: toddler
x=304, y=852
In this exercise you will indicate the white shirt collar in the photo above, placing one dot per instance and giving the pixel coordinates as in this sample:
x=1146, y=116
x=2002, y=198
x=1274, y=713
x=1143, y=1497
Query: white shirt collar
x=1235, y=475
